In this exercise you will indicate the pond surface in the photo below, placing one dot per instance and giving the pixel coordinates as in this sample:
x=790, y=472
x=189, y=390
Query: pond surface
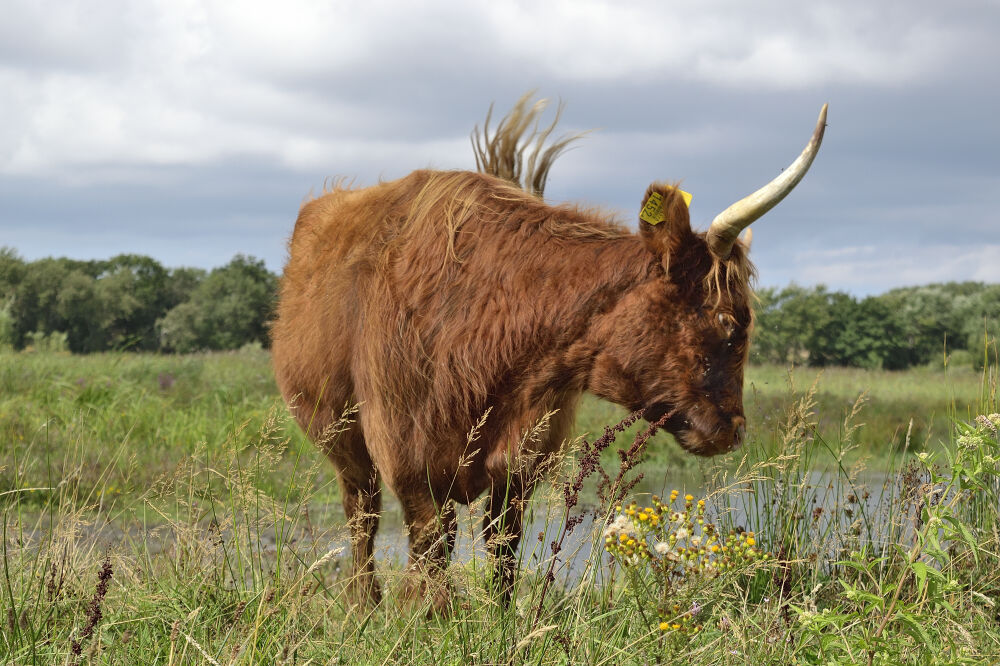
x=865, y=500
x=828, y=497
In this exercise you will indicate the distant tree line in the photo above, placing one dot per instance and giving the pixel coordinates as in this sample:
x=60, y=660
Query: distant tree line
x=898, y=329
x=132, y=302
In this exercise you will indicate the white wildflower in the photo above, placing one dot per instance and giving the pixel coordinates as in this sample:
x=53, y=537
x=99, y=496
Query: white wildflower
x=970, y=441
x=662, y=547
x=696, y=541
x=620, y=525
x=681, y=533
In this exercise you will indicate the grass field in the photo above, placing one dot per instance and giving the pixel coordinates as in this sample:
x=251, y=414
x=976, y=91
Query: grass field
x=162, y=509
x=130, y=418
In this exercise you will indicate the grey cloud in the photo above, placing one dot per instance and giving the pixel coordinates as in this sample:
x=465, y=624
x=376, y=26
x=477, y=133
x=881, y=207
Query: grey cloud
x=192, y=133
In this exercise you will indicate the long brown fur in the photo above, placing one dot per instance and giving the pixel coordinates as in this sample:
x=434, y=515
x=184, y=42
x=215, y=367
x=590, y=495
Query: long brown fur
x=436, y=298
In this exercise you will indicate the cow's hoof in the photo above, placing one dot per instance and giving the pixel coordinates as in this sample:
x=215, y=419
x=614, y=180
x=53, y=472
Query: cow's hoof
x=365, y=591
x=434, y=592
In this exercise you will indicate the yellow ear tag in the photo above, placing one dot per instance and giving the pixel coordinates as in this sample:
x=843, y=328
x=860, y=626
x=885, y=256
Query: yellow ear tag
x=652, y=212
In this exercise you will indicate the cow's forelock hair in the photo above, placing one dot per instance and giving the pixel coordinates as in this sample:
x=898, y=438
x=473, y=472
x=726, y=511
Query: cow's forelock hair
x=730, y=280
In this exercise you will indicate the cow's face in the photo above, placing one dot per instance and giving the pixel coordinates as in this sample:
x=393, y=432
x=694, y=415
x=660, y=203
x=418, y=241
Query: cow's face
x=680, y=339
x=677, y=343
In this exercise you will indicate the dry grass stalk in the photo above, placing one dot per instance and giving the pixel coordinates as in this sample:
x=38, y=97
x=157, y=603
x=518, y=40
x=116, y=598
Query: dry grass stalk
x=330, y=554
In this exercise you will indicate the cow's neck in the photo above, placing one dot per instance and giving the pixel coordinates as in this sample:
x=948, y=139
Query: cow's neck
x=584, y=320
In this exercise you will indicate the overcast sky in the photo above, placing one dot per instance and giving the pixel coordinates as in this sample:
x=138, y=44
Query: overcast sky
x=192, y=131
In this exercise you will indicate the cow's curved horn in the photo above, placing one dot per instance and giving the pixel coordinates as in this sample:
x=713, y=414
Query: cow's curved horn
x=728, y=224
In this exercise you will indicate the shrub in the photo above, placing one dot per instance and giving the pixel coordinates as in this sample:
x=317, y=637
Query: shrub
x=55, y=341
x=7, y=330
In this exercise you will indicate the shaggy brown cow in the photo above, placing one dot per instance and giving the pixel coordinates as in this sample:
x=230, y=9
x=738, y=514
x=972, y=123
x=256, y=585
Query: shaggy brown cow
x=436, y=298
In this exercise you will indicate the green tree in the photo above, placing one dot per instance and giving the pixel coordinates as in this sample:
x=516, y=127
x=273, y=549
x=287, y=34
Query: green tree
x=11, y=273
x=767, y=344
x=931, y=317
x=12, y=269
x=6, y=326
x=135, y=293
x=786, y=321
x=228, y=309
x=825, y=341
x=80, y=313
x=982, y=325
x=863, y=334
x=35, y=305
x=100, y=305
x=181, y=283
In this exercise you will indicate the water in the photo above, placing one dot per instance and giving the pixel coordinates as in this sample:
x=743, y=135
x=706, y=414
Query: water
x=545, y=517
x=544, y=521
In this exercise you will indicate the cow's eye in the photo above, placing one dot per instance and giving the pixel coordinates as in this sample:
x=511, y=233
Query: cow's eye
x=726, y=322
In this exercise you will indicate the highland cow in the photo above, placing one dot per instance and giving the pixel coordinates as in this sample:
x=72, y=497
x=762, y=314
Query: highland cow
x=433, y=300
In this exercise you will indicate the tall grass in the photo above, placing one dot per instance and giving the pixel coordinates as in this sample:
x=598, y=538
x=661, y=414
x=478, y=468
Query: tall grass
x=164, y=510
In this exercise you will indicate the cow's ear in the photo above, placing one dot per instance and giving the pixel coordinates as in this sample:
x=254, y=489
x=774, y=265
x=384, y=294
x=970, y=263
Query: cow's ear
x=664, y=220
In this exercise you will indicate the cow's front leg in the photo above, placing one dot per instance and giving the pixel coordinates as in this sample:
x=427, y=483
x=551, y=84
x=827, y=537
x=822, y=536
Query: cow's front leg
x=432, y=531
x=502, y=526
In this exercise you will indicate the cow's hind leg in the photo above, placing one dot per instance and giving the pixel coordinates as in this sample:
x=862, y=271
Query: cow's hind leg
x=432, y=531
x=502, y=526
x=361, y=491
